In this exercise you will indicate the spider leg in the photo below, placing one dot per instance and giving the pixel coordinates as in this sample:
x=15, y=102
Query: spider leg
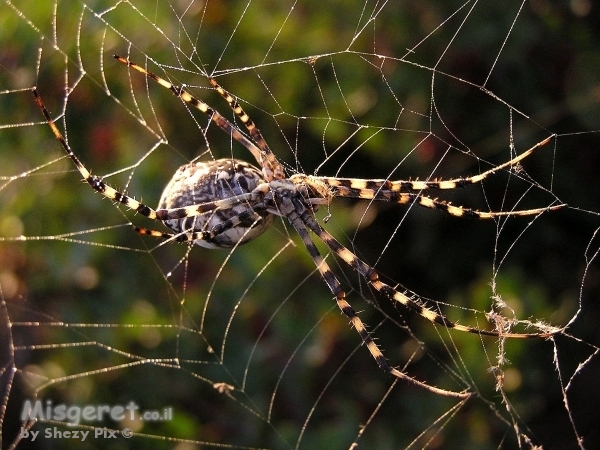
x=159, y=214
x=263, y=155
x=94, y=181
x=297, y=219
x=227, y=203
x=219, y=120
x=407, y=185
x=412, y=302
x=252, y=129
x=433, y=203
x=191, y=235
x=179, y=237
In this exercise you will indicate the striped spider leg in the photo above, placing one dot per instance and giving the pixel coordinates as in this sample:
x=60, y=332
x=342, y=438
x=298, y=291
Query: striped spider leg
x=263, y=155
x=228, y=202
x=408, y=192
x=302, y=220
x=221, y=217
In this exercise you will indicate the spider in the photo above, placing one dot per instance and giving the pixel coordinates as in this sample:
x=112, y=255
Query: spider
x=228, y=202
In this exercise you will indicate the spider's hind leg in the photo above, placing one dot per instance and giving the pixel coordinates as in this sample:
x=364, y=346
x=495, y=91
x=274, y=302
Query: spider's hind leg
x=268, y=158
x=94, y=181
x=217, y=236
x=257, y=146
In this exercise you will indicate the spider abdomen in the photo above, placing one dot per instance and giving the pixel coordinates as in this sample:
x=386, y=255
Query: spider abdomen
x=204, y=182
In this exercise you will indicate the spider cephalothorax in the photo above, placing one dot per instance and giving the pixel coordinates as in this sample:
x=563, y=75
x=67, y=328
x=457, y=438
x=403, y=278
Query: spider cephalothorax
x=227, y=202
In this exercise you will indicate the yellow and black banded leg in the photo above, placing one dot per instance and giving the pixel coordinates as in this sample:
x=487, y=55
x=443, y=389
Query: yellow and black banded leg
x=263, y=155
x=159, y=214
x=413, y=302
x=255, y=133
x=183, y=212
x=191, y=236
x=340, y=296
x=432, y=203
x=417, y=186
x=94, y=181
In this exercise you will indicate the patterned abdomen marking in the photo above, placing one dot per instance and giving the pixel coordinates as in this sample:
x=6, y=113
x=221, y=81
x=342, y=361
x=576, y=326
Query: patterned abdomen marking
x=204, y=182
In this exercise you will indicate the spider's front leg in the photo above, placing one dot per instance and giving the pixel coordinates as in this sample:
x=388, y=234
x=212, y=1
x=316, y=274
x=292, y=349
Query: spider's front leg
x=292, y=206
x=297, y=210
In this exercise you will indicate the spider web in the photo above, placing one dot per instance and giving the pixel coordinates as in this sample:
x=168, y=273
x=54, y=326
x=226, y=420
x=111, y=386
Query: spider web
x=246, y=347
